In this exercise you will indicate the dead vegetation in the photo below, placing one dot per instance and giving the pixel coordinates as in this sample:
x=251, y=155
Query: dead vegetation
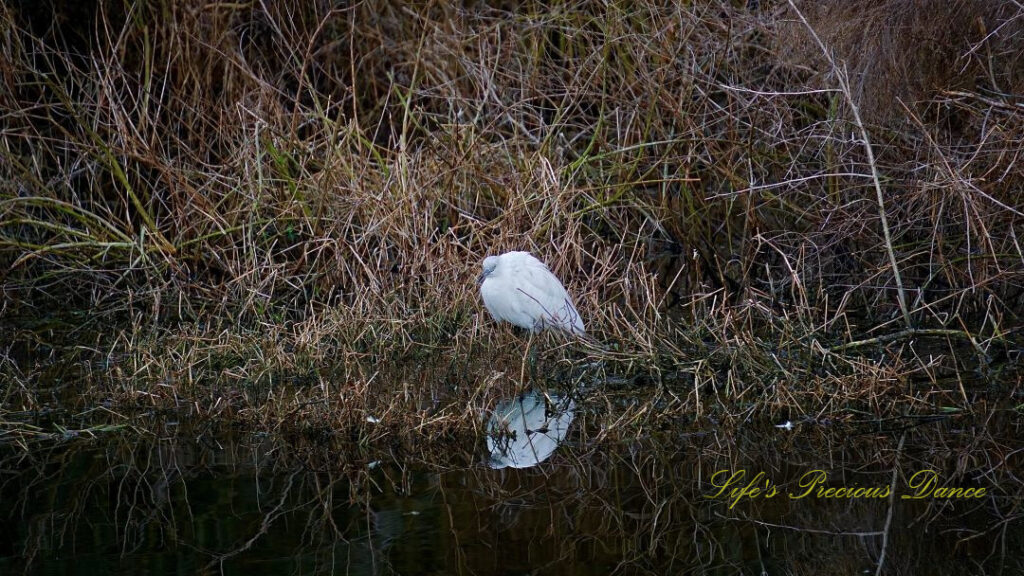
x=259, y=210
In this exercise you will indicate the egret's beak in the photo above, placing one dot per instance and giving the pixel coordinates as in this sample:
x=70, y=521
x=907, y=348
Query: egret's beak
x=480, y=279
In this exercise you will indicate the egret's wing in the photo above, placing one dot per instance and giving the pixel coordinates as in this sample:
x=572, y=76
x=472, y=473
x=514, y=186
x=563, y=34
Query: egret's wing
x=550, y=301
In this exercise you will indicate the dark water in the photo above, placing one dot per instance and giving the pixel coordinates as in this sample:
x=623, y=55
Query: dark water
x=186, y=502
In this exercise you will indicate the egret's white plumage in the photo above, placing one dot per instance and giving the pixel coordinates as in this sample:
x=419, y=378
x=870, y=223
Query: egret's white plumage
x=518, y=288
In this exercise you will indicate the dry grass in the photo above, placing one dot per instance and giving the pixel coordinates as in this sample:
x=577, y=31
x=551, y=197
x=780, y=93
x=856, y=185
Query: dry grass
x=911, y=55
x=277, y=213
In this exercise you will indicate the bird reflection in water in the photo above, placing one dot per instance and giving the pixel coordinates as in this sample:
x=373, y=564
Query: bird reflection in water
x=525, y=430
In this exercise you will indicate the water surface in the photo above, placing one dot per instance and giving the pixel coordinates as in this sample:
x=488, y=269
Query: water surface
x=193, y=500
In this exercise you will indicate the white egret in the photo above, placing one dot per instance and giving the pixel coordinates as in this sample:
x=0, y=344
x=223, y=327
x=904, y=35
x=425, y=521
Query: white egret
x=518, y=288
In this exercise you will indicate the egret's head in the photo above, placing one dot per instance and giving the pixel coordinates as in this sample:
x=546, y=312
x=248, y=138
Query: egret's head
x=490, y=263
